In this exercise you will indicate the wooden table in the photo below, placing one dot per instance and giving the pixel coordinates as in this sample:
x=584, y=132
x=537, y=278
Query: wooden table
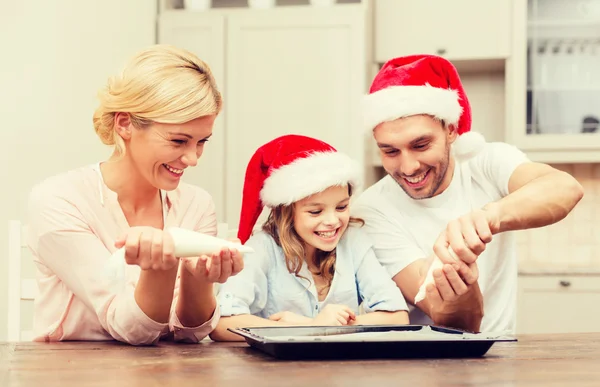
x=536, y=360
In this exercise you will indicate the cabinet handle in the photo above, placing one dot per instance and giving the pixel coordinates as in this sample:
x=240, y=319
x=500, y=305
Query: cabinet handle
x=565, y=284
x=441, y=51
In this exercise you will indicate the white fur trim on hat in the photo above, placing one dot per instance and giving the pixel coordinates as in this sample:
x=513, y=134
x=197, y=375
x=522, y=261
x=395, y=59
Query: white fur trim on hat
x=468, y=145
x=308, y=176
x=402, y=101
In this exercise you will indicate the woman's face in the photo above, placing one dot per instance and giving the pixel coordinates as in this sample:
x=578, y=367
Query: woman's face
x=162, y=152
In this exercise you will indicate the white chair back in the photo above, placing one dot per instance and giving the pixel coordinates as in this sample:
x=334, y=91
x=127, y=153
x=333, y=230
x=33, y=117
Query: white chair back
x=19, y=288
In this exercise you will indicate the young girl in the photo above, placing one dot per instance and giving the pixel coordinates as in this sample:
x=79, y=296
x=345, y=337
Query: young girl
x=312, y=265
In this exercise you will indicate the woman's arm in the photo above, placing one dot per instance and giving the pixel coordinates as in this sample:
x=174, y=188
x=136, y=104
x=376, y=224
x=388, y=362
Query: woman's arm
x=195, y=313
x=63, y=241
x=196, y=303
x=154, y=293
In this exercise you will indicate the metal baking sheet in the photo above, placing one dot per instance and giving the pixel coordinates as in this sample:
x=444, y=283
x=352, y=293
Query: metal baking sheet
x=379, y=341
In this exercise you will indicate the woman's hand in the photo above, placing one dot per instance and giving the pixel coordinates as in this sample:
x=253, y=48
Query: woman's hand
x=216, y=267
x=149, y=248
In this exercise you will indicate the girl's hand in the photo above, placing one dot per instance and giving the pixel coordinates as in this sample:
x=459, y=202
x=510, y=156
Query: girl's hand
x=334, y=314
x=290, y=318
x=149, y=248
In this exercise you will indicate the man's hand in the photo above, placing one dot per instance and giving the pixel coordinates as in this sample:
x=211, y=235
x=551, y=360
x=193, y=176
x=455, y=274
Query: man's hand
x=455, y=299
x=466, y=236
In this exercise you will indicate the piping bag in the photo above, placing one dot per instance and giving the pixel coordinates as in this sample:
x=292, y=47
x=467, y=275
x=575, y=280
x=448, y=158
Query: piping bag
x=187, y=243
x=436, y=264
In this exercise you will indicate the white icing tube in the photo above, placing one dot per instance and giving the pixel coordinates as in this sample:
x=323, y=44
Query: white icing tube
x=187, y=243
x=192, y=244
x=436, y=264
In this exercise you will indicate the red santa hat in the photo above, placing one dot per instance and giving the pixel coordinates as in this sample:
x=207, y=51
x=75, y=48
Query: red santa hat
x=422, y=84
x=290, y=168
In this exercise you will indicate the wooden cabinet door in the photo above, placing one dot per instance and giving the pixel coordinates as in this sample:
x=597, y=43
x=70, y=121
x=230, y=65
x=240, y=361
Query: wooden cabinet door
x=456, y=29
x=558, y=304
x=204, y=35
x=292, y=71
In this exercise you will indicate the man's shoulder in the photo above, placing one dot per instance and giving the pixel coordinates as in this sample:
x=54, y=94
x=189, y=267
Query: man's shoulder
x=377, y=195
x=354, y=232
x=497, y=152
x=493, y=166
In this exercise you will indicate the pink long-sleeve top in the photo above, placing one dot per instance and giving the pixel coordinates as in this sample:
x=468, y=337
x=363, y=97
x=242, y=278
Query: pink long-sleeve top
x=74, y=220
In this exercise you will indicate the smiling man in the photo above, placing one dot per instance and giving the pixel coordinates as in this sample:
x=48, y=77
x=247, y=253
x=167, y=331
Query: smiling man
x=450, y=198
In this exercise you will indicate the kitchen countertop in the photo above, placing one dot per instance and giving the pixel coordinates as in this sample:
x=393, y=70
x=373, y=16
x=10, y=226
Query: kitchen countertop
x=535, y=360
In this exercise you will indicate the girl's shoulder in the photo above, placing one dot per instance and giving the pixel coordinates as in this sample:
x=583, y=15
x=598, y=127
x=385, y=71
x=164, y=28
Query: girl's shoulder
x=263, y=242
x=355, y=241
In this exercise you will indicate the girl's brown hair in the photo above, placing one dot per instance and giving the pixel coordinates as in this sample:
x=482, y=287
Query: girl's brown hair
x=280, y=226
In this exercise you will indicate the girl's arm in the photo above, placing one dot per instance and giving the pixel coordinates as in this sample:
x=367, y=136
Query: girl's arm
x=381, y=297
x=243, y=296
x=382, y=318
x=242, y=321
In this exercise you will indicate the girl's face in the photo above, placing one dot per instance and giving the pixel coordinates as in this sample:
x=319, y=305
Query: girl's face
x=162, y=152
x=321, y=219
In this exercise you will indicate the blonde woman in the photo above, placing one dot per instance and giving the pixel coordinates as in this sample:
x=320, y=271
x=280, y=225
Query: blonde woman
x=158, y=115
x=312, y=264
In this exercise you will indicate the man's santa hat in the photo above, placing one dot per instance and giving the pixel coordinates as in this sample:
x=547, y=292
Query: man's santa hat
x=422, y=84
x=290, y=168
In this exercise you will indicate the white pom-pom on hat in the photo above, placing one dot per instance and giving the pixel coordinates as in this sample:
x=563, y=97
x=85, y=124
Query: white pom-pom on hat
x=468, y=145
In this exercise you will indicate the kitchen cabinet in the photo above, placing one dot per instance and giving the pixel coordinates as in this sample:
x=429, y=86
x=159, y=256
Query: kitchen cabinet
x=204, y=35
x=555, y=95
x=558, y=303
x=457, y=30
x=296, y=69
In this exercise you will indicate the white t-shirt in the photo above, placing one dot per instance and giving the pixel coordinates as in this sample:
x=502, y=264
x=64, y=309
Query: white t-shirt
x=404, y=229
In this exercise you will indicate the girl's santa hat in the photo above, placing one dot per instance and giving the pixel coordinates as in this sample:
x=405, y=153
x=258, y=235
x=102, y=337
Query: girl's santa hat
x=422, y=84
x=288, y=169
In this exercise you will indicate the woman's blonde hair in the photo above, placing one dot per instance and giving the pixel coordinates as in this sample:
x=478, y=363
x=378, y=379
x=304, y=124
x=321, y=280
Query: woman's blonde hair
x=280, y=226
x=163, y=84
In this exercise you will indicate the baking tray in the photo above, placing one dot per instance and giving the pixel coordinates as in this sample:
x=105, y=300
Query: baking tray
x=374, y=341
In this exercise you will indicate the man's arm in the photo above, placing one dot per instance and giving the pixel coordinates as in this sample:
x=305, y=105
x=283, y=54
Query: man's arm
x=539, y=195
x=536, y=195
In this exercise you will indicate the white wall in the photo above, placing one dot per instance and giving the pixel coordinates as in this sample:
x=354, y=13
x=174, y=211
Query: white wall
x=55, y=55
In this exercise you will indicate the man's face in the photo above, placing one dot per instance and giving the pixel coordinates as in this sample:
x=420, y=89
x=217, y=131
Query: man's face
x=415, y=151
